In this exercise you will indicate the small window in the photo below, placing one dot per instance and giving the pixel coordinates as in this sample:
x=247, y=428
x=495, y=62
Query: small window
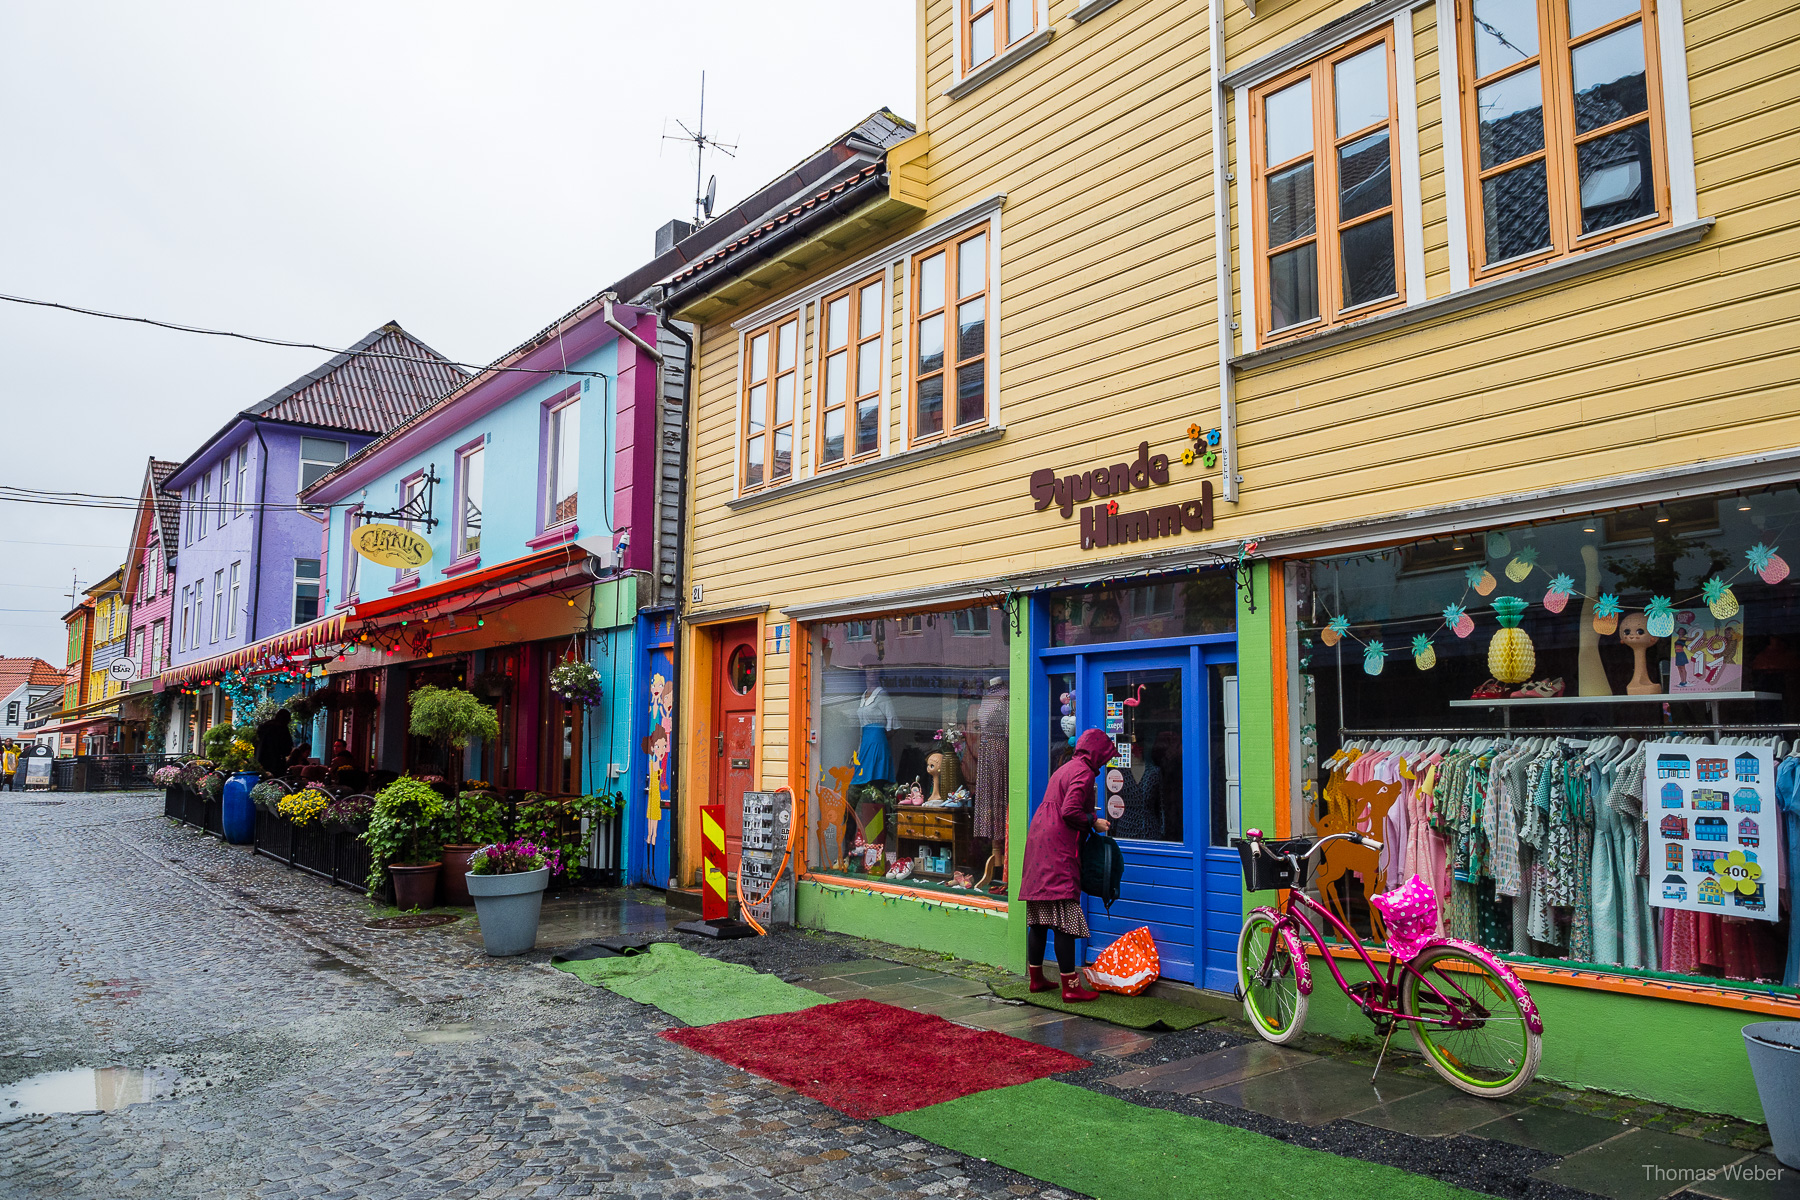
x=187, y=626
x=218, y=602
x=950, y=336
x=914, y=624
x=850, y=373
x=12, y=712
x=563, y=456
x=352, y=519
x=231, y=618
x=859, y=631
x=468, y=490
x=243, y=474
x=224, y=490
x=990, y=26
x=205, y=502
x=740, y=669
x=306, y=590
x=971, y=622
x=1325, y=159
x=771, y=385
x=411, y=488
x=318, y=456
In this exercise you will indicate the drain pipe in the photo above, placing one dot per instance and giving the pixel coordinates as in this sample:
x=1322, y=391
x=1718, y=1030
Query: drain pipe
x=262, y=516
x=1215, y=20
x=630, y=335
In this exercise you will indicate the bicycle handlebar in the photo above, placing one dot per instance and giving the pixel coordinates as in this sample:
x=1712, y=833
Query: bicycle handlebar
x=1255, y=838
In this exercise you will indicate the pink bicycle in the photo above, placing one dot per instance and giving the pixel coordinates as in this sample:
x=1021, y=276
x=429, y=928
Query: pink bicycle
x=1471, y=1016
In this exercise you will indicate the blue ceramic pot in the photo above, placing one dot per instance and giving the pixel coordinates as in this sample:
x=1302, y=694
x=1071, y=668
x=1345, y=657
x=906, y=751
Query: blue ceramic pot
x=237, y=814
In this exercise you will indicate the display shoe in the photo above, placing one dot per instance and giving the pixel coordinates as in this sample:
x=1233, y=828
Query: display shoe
x=1040, y=980
x=1541, y=689
x=1493, y=689
x=903, y=869
x=1074, y=990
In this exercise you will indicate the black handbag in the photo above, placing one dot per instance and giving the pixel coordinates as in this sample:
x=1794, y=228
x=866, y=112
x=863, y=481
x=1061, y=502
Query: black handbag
x=1102, y=868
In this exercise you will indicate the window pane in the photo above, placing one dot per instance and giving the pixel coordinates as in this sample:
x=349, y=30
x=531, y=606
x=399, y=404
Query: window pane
x=931, y=283
x=837, y=322
x=1294, y=286
x=1506, y=32
x=753, y=467
x=568, y=457
x=868, y=430
x=971, y=266
x=320, y=450
x=930, y=407
x=868, y=369
x=472, y=498
x=1019, y=19
x=971, y=392
x=836, y=367
x=971, y=329
x=1515, y=207
x=1588, y=15
x=931, y=344
x=1511, y=114
x=784, y=351
x=311, y=473
x=981, y=39
x=758, y=407
x=1287, y=123
x=306, y=603
x=759, y=356
x=868, y=311
x=784, y=454
x=1609, y=79
x=1291, y=204
x=1615, y=178
x=784, y=399
x=1361, y=86
x=1368, y=251
x=833, y=450
x=1365, y=181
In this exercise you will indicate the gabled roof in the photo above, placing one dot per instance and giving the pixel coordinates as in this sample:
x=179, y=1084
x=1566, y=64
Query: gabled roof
x=33, y=671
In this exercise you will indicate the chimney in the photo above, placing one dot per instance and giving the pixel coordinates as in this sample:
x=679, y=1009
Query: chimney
x=669, y=234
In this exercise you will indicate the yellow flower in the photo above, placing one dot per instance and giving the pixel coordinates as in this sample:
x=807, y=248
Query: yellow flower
x=303, y=807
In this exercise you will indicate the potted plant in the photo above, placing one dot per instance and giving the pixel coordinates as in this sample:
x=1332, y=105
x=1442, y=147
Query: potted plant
x=507, y=881
x=234, y=749
x=450, y=717
x=403, y=839
x=576, y=682
x=472, y=820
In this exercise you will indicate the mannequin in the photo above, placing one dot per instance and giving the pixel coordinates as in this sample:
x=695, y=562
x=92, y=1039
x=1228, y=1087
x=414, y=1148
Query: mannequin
x=941, y=767
x=1634, y=633
x=875, y=713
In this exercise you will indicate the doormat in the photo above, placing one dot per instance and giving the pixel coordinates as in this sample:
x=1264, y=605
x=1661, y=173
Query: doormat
x=691, y=987
x=1113, y=1150
x=868, y=1059
x=1133, y=1012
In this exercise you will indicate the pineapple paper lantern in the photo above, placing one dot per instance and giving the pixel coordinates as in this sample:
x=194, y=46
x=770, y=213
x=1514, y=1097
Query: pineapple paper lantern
x=1481, y=579
x=1334, y=630
x=1766, y=563
x=1498, y=544
x=1520, y=567
x=1558, y=596
x=1659, y=617
x=1511, y=656
x=1719, y=599
x=1424, y=654
x=1374, y=658
x=1458, y=620
x=1606, y=614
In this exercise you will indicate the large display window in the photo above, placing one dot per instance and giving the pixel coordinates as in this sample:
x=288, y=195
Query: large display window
x=1580, y=733
x=912, y=715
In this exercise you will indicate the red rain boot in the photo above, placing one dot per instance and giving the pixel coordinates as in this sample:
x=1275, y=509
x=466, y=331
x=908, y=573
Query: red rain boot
x=1040, y=981
x=1073, y=991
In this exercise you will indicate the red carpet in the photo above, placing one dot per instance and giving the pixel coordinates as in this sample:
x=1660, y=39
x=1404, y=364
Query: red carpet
x=867, y=1059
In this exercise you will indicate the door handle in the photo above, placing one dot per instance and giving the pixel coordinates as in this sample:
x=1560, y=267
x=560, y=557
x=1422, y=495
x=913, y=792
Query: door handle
x=721, y=743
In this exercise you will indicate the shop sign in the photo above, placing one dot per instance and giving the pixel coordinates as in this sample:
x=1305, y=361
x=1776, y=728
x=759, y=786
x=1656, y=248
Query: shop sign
x=391, y=546
x=1104, y=524
x=122, y=669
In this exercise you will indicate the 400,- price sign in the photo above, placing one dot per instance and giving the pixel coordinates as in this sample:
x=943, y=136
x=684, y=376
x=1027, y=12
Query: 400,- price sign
x=391, y=546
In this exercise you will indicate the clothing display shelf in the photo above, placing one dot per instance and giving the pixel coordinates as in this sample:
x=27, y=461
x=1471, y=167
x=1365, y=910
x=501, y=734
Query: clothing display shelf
x=1712, y=700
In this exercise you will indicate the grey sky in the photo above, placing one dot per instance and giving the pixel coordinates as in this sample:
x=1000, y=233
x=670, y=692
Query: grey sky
x=310, y=171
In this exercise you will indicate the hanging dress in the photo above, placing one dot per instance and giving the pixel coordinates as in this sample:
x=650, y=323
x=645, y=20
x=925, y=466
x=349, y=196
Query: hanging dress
x=990, y=724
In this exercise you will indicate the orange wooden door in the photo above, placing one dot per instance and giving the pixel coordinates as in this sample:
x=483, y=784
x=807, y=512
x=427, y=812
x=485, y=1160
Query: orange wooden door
x=734, y=719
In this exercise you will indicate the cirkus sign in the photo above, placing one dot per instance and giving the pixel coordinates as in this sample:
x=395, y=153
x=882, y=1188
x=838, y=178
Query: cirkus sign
x=1104, y=524
x=391, y=546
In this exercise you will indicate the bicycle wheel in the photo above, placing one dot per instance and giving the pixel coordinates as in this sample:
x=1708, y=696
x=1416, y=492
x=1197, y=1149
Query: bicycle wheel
x=1469, y=1025
x=1273, y=1001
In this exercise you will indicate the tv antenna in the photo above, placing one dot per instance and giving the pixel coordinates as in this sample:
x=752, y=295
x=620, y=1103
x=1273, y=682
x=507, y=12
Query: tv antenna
x=704, y=195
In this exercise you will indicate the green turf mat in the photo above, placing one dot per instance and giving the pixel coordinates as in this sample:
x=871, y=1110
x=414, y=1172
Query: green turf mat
x=1134, y=1012
x=1114, y=1150
x=692, y=987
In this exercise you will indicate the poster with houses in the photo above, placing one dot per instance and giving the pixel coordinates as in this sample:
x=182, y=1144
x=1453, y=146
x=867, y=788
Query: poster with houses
x=1713, y=835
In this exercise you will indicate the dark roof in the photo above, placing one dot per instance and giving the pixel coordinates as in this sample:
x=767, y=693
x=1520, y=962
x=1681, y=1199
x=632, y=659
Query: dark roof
x=168, y=504
x=776, y=222
x=362, y=393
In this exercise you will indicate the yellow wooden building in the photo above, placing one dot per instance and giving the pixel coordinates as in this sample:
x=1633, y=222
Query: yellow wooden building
x=1393, y=310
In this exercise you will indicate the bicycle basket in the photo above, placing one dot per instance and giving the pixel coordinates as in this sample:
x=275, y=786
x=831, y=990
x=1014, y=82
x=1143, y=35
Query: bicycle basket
x=1263, y=873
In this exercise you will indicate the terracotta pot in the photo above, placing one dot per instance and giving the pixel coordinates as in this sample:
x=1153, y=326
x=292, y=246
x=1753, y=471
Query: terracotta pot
x=415, y=886
x=451, y=884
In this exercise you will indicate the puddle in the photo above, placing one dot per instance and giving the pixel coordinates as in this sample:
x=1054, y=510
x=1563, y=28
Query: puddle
x=445, y=1033
x=85, y=1089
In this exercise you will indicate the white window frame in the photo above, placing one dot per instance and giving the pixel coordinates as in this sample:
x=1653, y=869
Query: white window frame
x=243, y=475
x=317, y=580
x=218, y=599
x=224, y=491
x=460, y=495
x=549, y=451
x=231, y=612
x=352, y=519
x=305, y=462
x=410, y=487
x=205, y=500
x=1004, y=56
x=187, y=621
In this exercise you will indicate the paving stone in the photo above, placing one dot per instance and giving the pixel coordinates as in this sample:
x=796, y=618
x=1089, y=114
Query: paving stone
x=1186, y=1076
x=1314, y=1093
x=1553, y=1130
x=1086, y=1038
x=1435, y=1112
x=1640, y=1164
x=1758, y=1177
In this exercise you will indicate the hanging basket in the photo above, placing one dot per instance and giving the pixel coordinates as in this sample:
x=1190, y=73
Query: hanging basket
x=576, y=683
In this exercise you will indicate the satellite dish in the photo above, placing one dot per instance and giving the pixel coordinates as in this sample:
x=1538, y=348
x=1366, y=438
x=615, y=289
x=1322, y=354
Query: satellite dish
x=712, y=193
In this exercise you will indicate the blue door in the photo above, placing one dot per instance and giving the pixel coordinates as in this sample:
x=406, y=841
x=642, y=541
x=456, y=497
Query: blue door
x=648, y=829
x=1163, y=706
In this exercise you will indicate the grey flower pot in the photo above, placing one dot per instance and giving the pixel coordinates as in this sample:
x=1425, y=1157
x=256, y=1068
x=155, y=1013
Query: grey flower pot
x=507, y=907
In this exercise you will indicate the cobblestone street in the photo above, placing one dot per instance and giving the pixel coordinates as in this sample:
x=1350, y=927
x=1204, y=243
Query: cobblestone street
x=308, y=1055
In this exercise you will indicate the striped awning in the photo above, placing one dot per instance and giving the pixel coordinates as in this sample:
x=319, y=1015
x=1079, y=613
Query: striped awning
x=271, y=651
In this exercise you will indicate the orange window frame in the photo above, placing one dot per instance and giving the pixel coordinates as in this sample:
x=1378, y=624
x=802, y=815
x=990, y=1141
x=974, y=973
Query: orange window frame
x=765, y=371
x=952, y=363
x=1562, y=143
x=1004, y=35
x=857, y=348
x=1328, y=228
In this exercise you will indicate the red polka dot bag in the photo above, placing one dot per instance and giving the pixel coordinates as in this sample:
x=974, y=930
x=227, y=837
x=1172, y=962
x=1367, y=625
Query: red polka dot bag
x=1128, y=966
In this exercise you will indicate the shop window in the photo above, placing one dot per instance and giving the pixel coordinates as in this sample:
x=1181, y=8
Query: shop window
x=950, y=336
x=318, y=456
x=306, y=590
x=1203, y=603
x=1562, y=115
x=771, y=390
x=912, y=751
x=850, y=373
x=1562, y=728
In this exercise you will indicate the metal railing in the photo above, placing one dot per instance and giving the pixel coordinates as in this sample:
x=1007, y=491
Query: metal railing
x=106, y=772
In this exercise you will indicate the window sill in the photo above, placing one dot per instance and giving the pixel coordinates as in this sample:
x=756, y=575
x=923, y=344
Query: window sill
x=462, y=564
x=1091, y=9
x=405, y=585
x=554, y=537
x=351, y=602
x=876, y=466
x=1502, y=288
x=1000, y=63
x=972, y=900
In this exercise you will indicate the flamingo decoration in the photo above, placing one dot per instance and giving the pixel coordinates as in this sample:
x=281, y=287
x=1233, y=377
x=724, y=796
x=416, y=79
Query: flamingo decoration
x=1134, y=701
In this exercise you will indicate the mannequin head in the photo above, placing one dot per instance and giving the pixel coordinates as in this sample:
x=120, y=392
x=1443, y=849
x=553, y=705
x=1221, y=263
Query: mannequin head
x=871, y=679
x=1634, y=632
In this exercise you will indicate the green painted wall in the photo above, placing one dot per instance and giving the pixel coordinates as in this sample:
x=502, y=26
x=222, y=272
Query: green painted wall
x=1256, y=709
x=903, y=921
